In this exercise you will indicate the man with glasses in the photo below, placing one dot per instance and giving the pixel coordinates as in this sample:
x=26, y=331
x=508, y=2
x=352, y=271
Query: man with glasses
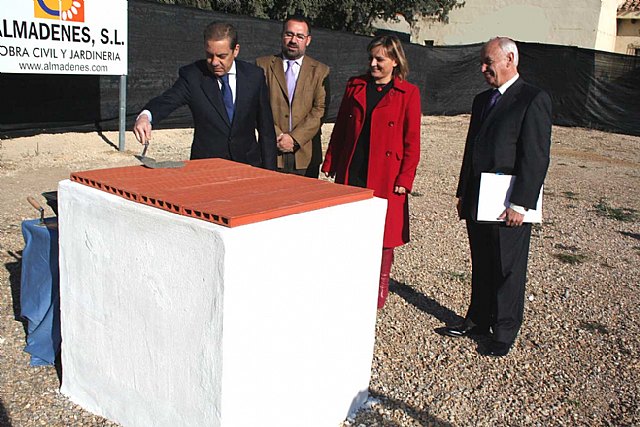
x=299, y=96
x=228, y=99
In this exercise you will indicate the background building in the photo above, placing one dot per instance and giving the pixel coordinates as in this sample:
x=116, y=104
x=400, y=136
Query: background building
x=628, y=33
x=607, y=25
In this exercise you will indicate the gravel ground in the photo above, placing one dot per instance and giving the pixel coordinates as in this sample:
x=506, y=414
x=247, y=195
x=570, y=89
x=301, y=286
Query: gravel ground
x=575, y=362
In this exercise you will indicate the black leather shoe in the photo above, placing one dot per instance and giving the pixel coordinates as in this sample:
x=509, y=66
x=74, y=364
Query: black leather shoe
x=498, y=349
x=464, y=330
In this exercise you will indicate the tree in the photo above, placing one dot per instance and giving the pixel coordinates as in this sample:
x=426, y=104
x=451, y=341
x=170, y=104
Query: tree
x=356, y=15
x=347, y=15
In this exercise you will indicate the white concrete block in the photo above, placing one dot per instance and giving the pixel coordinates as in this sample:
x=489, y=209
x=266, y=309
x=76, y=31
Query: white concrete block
x=172, y=321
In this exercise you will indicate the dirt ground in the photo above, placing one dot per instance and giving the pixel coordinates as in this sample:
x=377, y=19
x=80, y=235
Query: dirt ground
x=576, y=361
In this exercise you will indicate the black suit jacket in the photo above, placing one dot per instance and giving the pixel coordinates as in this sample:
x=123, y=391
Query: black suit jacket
x=514, y=139
x=213, y=135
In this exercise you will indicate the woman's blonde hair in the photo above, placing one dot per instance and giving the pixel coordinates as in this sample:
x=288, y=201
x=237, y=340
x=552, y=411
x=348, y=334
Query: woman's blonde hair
x=393, y=48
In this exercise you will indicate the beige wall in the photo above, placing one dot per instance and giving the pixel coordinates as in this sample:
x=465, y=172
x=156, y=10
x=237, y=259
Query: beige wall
x=628, y=33
x=584, y=23
x=607, y=26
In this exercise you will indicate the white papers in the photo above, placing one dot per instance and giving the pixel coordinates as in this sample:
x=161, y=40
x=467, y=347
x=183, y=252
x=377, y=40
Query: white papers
x=493, y=199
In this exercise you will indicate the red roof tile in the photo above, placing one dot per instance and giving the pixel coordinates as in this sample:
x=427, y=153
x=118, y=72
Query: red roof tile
x=630, y=6
x=221, y=191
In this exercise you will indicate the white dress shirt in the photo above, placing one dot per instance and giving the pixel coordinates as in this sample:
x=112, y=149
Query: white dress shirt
x=506, y=85
x=297, y=63
x=232, y=81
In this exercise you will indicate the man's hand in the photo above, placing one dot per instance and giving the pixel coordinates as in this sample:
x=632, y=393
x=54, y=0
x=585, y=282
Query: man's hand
x=142, y=129
x=512, y=218
x=459, y=207
x=285, y=143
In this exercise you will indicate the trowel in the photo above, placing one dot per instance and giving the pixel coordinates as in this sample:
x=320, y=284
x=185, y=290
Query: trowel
x=153, y=164
x=51, y=223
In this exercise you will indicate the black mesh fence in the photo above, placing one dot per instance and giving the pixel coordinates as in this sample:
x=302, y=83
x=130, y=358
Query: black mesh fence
x=589, y=88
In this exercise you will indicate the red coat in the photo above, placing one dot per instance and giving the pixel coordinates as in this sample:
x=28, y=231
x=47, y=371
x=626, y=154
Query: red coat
x=394, y=150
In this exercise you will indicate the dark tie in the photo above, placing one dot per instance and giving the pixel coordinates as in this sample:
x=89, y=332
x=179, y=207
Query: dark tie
x=493, y=99
x=227, y=97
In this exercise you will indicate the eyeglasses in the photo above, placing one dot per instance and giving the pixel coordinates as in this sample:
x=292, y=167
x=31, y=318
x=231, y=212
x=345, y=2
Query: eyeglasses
x=298, y=36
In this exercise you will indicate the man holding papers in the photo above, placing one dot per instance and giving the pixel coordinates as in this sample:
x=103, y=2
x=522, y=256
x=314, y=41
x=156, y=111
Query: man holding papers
x=510, y=134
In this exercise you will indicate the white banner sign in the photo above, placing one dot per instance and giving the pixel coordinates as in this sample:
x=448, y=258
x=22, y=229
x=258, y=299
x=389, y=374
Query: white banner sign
x=63, y=36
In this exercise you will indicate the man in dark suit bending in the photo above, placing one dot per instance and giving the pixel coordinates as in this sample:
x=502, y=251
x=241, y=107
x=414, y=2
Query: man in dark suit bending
x=228, y=99
x=509, y=133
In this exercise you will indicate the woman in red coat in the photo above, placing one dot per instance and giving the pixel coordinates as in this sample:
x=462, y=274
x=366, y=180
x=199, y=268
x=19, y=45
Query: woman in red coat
x=376, y=141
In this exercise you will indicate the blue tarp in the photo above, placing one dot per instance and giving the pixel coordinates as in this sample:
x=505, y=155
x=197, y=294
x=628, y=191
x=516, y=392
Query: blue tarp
x=40, y=290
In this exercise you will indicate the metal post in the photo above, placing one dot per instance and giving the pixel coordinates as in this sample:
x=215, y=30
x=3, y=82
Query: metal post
x=123, y=111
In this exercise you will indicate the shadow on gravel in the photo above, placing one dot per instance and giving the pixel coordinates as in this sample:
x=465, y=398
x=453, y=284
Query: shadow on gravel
x=15, y=269
x=434, y=308
x=633, y=235
x=421, y=416
x=4, y=417
x=104, y=138
x=424, y=303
